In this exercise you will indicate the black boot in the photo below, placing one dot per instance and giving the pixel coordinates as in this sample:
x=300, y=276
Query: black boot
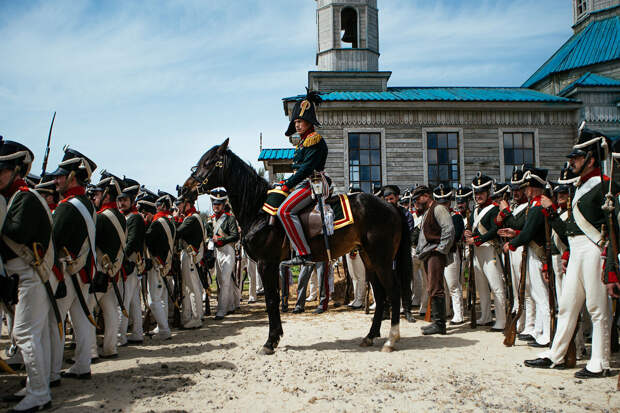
x=285, y=304
x=438, y=316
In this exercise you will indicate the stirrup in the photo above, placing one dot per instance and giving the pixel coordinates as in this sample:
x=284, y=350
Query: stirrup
x=298, y=260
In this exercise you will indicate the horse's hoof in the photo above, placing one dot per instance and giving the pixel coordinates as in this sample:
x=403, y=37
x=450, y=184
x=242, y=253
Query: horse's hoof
x=266, y=351
x=387, y=349
x=366, y=342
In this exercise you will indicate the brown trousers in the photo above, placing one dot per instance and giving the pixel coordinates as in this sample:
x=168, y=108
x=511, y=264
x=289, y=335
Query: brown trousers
x=434, y=265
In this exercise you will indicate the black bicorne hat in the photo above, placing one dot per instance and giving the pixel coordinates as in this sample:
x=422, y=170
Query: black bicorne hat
x=463, y=193
x=129, y=188
x=32, y=180
x=516, y=179
x=535, y=177
x=164, y=198
x=15, y=155
x=74, y=161
x=442, y=194
x=305, y=109
x=482, y=183
x=46, y=186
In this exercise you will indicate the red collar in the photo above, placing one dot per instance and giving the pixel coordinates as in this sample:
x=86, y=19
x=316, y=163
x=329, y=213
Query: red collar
x=75, y=191
x=161, y=214
x=132, y=210
x=217, y=216
x=595, y=172
x=52, y=206
x=487, y=203
x=17, y=184
x=107, y=205
x=191, y=211
x=307, y=133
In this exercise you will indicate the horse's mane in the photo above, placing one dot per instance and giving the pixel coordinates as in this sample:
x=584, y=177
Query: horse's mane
x=250, y=189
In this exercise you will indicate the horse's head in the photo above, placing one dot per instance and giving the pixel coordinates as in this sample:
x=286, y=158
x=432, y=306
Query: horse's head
x=209, y=172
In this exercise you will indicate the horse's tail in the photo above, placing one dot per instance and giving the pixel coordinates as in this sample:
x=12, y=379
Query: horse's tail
x=404, y=261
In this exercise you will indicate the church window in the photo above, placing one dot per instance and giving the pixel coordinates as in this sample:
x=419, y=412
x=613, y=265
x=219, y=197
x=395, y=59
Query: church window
x=582, y=7
x=443, y=158
x=348, y=28
x=518, y=150
x=365, y=160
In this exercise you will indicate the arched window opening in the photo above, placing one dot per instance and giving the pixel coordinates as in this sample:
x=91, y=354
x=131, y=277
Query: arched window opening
x=348, y=27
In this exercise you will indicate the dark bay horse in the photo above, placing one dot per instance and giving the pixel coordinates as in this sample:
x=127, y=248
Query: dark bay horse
x=377, y=231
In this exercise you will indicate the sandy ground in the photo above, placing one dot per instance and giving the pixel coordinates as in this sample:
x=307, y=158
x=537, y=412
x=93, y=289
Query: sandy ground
x=320, y=367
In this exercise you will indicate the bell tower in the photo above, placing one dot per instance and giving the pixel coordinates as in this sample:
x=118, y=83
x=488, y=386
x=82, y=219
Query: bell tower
x=348, y=47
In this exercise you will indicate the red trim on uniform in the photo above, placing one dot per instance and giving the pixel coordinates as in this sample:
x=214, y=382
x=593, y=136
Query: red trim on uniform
x=52, y=206
x=477, y=241
x=161, y=214
x=14, y=187
x=566, y=255
x=71, y=192
x=545, y=267
x=107, y=205
x=511, y=247
x=612, y=277
x=191, y=212
x=284, y=214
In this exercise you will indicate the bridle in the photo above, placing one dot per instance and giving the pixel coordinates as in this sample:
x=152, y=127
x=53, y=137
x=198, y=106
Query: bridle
x=203, y=179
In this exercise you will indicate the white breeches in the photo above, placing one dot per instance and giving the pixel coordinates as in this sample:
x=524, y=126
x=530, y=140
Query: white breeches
x=489, y=279
x=358, y=277
x=224, y=265
x=452, y=274
x=192, y=290
x=158, y=301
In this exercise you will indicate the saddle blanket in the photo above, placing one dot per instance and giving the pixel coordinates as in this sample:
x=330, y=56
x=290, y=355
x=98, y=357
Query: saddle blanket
x=339, y=205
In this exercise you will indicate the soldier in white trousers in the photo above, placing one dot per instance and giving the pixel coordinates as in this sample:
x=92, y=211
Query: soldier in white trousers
x=582, y=282
x=357, y=271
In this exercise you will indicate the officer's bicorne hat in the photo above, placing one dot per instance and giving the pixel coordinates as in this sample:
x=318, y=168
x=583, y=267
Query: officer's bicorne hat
x=516, y=179
x=535, y=177
x=566, y=180
x=165, y=199
x=46, y=186
x=129, y=188
x=482, y=183
x=145, y=201
x=442, y=194
x=110, y=184
x=390, y=190
x=218, y=196
x=305, y=109
x=14, y=155
x=354, y=189
x=32, y=180
x=74, y=161
x=462, y=194
x=499, y=189
x=591, y=144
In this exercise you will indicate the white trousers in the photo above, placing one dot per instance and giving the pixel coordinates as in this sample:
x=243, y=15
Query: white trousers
x=131, y=301
x=489, y=279
x=559, y=275
x=253, y=277
x=192, y=290
x=32, y=328
x=111, y=309
x=224, y=265
x=358, y=277
x=84, y=332
x=582, y=283
x=452, y=274
x=158, y=302
x=540, y=295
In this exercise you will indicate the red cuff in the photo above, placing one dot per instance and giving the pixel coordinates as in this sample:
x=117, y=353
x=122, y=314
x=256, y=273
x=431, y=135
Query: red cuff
x=612, y=277
x=511, y=247
x=545, y=267
x=545, y=212
x=477, y=241
x=219, y=243
x=518, y=231
x=566, y=255
x=554, y=206
x=284, y=188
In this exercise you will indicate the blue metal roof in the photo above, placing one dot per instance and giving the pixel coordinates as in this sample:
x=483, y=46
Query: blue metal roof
x=276, y=154
x=598, y=42
x=456, y=94
x=591, y=80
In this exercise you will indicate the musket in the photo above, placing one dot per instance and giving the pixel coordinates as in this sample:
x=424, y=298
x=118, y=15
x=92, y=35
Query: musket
x=508, y=280
x=511, y=332
x=471, y=281
x=550, y=280
x=47, y=147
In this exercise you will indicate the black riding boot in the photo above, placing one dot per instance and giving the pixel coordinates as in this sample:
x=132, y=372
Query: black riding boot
x=285, y=304
x=438, y=316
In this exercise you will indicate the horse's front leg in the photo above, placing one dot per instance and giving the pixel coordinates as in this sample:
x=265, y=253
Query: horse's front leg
x=269, y=274
x=393, y=292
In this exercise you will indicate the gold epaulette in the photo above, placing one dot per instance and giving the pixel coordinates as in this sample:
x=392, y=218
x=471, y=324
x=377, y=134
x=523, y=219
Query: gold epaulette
x=312, y=139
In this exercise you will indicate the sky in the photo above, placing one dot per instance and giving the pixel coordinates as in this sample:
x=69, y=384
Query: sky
x=145, y=88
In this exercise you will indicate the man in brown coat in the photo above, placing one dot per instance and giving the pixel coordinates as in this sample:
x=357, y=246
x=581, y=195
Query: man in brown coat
x=433, y=248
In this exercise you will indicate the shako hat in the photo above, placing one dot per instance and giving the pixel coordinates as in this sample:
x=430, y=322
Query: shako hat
x=442, y=194
x=535, y=177
x=218, y=196
x=129, y=188
x=516, y=179
x=499, y=189
x=145, y=201
x=165, y=199
x=74, y=161
x=462, y=194
x=590, y=143
x=482, y=183
x=305, y=109
x=14, y=155
x=111, y=184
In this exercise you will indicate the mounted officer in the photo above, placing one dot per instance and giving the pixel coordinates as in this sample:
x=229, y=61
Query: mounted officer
x=310, y=156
